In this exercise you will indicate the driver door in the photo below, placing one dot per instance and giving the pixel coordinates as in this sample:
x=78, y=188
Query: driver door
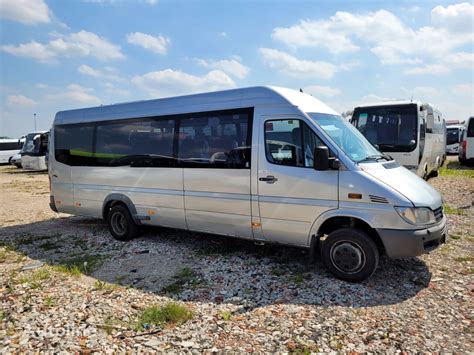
x=291, y=193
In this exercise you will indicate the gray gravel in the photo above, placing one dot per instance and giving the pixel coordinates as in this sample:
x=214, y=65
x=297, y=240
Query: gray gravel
x=244, y=297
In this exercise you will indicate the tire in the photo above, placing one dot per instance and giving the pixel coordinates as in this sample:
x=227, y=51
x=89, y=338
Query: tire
x=345, y=247
x=121, y=225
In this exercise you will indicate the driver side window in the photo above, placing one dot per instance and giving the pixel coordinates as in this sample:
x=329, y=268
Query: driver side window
x=290, y=142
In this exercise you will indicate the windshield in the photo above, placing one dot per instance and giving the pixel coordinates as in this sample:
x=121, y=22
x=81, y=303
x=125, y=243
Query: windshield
x=393, y=128
x=452, y=136
x=31, y=145
x=349, y=139
x=35, y=144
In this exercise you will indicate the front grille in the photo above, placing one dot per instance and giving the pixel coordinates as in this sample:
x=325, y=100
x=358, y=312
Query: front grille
x=378, y=199
x=438, y=212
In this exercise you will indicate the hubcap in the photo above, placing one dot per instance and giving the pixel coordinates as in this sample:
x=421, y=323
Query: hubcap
x=119, y=223
x=347, y=256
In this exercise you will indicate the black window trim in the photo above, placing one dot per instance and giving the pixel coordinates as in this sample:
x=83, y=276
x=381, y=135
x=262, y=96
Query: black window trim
x=177, y=122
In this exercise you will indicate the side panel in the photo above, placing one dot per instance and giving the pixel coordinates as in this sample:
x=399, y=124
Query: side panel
x=5, y=155
x=61, y=182
x=157, y=192
x=218, y=201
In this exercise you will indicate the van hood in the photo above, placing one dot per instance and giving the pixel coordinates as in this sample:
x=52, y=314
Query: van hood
x=417, y=190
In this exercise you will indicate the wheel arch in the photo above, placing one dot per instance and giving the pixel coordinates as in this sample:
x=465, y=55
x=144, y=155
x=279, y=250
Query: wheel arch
x=115, y=199
x=335, y=219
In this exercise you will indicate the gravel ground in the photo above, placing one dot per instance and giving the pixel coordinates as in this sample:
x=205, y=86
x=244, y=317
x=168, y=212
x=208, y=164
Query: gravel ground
x=86, y=291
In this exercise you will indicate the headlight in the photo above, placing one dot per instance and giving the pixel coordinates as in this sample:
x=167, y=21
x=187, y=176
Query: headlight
x=416, y=215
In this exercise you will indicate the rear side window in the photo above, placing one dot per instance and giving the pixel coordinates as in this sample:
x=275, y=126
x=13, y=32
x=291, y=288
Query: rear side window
x=144, y=142
x=74, y=144
x=290, y=142
x=470, y=128
x=215, y=141
x=10, y=146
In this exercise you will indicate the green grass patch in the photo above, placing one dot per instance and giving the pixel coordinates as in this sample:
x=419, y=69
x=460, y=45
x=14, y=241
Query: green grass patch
x=170, y=313
x=225, y=315
x=49, y=301
x=452, y=210
x=83, y=264
x=36, y=278
x=455, y=236
x=186, y=277
x=454, y=169
x=2, y=316
x=68, y=270
x=277, y=271
x=464, y=259
x=49, y=246
x=104, y=286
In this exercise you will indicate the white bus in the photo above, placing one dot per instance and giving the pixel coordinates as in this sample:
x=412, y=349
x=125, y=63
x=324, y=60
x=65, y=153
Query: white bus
x=267, y=164
x=454, y=134
x=466, y=149
x=9, y=148
x=414, y=134
x=33, y=153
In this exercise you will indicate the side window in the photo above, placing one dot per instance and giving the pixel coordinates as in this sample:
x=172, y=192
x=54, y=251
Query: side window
x=73, y=144
x=470, y=128
x=144, y=142
x=290, y=142
x=215, y=141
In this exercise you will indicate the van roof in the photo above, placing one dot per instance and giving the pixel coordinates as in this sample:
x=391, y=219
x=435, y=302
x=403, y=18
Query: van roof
x=219, y=100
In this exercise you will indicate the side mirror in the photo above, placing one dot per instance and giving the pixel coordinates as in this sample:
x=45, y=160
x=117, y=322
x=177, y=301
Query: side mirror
x=376, y=146
x=321, y=158
x=412, y=143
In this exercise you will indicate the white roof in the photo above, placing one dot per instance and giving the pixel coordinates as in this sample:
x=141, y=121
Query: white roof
x=390, y=103
x=219, y=100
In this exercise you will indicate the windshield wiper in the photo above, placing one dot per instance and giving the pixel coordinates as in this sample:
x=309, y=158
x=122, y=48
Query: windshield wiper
x=375, y=157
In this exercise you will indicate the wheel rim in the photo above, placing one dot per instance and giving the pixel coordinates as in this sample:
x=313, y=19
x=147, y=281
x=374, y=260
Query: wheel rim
x=347, y=257
x=119, y=223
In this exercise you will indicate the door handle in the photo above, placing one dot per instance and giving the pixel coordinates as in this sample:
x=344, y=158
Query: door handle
x=270, y=179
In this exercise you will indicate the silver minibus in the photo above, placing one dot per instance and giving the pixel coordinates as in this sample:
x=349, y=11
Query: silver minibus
x=267, y=164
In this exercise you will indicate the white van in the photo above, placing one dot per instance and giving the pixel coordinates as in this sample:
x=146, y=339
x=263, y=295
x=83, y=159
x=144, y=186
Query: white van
x=414, y=134
x=33, y=153
x=454, y=134
x=9, y=148
x=466, y=148
x=267, y=164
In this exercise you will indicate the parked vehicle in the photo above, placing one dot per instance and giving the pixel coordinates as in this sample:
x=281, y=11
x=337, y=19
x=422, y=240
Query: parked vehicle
x=414, y=134
x=453, y=138
x=16, y=160
x=267, y=164
x=34, y=151
x=466, y=148
x=8, y=148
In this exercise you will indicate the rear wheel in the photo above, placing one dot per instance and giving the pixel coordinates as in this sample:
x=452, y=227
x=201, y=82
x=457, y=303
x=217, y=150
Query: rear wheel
x=121, y=224
x=350, y=254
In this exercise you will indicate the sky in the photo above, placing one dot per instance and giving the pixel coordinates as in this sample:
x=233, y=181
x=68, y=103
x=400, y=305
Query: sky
x=64, y=54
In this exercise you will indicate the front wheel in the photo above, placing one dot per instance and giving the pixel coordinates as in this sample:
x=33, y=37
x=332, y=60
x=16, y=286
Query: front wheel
x=121, y=225
x=350, y=254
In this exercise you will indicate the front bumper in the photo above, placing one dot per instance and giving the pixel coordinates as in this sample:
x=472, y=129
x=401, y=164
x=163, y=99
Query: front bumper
x=405, y=243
